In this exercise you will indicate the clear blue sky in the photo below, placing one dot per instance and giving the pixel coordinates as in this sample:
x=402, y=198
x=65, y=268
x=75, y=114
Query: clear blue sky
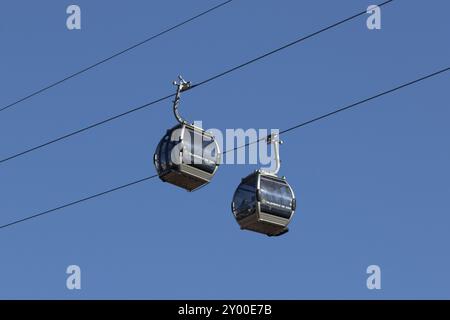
x=372, y=183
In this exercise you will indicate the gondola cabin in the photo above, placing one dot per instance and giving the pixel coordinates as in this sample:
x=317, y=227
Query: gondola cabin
x=264, y=203
x=187, y=156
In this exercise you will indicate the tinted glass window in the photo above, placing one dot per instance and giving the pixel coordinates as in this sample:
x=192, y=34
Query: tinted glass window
x=170, y=148
x=200, y=152
x=162, y=154
x=244, y=201
x=276, y=198
x=157, y=164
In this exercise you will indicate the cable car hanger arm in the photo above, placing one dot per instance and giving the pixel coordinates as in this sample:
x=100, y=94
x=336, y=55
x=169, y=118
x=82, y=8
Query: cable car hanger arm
x=182, y=86
x=274, y=139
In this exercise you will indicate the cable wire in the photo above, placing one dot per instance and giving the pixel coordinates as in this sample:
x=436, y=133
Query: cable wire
x=286, y=46
x=193, y=86
x=353, y=105
x=73, y=75
x=77, y=202
x=85, y=129
x=282, y=132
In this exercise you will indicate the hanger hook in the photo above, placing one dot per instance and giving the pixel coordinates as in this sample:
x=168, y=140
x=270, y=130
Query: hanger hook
x=274, y=139
x=182, y=85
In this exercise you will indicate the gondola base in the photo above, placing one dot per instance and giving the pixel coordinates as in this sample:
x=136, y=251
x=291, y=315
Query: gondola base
x=187, y=178
x=264, y=225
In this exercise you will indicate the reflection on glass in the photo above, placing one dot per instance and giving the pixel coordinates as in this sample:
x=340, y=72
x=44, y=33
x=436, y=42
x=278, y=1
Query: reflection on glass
x=162, y=154
x=195, y=144
x=276, y=198
x=244, y=201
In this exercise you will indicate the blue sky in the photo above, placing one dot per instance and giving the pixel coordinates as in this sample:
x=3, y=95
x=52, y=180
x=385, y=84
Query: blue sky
x=372, y=183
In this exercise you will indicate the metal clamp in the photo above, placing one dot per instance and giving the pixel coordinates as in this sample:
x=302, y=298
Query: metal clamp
x=275, y=140
x=182, y=85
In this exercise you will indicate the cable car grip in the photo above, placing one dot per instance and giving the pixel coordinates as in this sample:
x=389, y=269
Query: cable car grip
x=182, y=85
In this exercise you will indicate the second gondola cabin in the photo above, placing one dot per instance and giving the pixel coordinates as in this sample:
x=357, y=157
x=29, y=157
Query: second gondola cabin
x=264, y=203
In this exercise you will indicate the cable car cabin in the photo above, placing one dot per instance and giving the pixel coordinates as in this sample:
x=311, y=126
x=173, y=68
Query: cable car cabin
x=187, y=157
x=264, y=203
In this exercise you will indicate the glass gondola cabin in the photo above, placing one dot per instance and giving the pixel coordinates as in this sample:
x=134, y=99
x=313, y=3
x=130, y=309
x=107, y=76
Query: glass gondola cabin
x=264, y=203
x=187, y=156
